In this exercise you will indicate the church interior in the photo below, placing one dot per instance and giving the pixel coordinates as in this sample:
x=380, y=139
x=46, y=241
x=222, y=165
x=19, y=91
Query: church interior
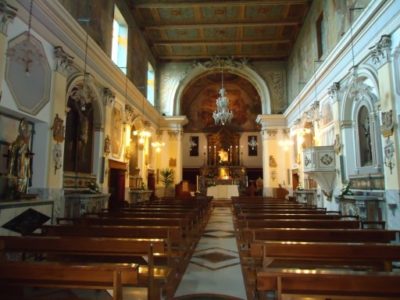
x=200, y=149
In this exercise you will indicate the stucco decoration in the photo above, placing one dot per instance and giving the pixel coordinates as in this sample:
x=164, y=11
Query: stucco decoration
x=28, y=73
x=276, y=83
x=326, y=114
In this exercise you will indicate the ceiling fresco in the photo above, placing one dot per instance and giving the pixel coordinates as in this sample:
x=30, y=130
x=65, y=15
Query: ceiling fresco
x=199, y=29
x=198, y=103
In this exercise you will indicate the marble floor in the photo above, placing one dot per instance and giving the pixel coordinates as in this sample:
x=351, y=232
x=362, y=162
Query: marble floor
x=215, y=265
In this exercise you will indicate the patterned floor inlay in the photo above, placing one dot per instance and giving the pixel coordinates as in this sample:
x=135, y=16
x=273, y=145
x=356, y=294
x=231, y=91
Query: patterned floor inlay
x=215, y=258
x=214, y=271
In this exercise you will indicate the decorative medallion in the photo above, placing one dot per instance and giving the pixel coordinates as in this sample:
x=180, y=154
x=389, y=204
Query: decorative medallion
x=326, y=159
x=272, y=162
x=387, y=123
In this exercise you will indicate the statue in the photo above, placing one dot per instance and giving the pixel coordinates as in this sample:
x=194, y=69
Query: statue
x=19, y=158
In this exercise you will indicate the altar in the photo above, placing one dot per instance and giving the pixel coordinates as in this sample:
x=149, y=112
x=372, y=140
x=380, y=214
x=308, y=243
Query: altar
x=223, y=191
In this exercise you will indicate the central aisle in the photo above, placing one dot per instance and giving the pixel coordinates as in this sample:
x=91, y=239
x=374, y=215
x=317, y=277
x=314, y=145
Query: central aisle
x=215, y=265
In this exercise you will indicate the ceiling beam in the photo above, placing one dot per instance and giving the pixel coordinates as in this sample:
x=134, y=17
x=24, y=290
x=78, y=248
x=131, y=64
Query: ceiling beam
x=224, y=25
x=221, y=42
x=211, y=3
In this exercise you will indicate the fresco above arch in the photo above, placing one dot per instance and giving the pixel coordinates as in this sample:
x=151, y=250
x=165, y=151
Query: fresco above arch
x=198, y=103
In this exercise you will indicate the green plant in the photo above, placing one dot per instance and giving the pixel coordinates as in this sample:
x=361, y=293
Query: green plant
x=167, y=177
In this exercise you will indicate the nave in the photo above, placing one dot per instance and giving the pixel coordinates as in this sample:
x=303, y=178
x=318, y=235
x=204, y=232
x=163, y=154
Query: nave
x=193, y=249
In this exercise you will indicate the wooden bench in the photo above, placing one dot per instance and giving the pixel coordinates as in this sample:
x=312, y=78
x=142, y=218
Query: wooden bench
x=373, y=255
x=261, y=215
x=97, y=250
x=318, y=235
x=297, y=223
x=328, y=283
x=67, y=275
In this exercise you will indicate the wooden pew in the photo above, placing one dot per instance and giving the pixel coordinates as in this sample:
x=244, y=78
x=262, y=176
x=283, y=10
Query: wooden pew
x=96, y=250
x=328, y=283
x=183, y=223
x=318, y=235
x=245, y=216
x=280, y=211
x=297, y=223
x=327, y=253
x=66, y=275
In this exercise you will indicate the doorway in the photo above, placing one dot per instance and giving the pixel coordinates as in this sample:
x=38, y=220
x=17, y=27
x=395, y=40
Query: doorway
x=116, y=185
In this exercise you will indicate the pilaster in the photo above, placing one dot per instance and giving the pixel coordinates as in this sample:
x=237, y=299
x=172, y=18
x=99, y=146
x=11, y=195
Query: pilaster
x=380, y=56
x=58, y=117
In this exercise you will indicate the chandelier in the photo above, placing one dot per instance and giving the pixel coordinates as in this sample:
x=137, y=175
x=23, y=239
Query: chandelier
x=222, y=115
x=253, y=143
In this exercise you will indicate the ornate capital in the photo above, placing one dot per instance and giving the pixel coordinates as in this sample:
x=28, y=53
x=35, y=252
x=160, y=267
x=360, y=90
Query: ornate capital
x=63, y=60
x=174, y=134
x=108, y=97
x=380, y=53
x=130, y=114
x=312, y=114
x=333, y=90
x=7, y=14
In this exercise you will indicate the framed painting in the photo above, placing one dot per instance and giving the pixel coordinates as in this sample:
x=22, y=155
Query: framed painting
x=194, y=146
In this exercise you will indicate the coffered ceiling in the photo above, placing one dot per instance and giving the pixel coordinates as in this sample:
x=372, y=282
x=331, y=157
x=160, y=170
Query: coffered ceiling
x=200, y=29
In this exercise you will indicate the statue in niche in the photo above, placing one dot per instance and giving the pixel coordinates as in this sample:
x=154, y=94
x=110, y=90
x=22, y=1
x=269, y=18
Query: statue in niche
x=364, y=132
x=19, y=157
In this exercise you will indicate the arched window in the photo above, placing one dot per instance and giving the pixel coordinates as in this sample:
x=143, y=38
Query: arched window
x=364, y=137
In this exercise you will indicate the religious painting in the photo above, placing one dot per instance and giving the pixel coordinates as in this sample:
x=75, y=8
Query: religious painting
x=252, y=145
x=194, y=146
x=116, y=132
x=199, y=102
x=78, y=137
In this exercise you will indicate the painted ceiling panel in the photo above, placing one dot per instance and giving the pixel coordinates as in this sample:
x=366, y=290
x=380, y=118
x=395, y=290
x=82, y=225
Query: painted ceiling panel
x=221, y=50
x=178, y=14
x=220, y=13
x=220, y=33
x=187, y=50
x=259, y=32
x=182, y=34
x=263, y=12
x=197, y=29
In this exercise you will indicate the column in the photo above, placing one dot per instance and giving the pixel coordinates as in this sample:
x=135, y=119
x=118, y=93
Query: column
x=380, y=57
x=7, y=14
x=270, y=124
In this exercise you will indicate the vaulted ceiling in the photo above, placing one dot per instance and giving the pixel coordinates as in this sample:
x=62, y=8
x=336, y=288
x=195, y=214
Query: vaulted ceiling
x=200, y=29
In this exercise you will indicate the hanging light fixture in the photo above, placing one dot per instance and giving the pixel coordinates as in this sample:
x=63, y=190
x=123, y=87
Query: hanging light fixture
x=222, y=115
x=82, y=93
